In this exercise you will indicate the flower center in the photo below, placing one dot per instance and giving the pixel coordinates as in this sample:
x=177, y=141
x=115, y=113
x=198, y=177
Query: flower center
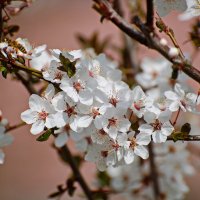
x=112, y=122
x=95, y=112
x=58, y=75
x=42, y=115
x=70, y=110
x=133, y=143
x=138, y=104
x=78, y=86
x=113, y=101
x=157, y=125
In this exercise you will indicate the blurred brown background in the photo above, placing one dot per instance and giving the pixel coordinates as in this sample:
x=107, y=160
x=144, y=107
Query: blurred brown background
x=32, y=170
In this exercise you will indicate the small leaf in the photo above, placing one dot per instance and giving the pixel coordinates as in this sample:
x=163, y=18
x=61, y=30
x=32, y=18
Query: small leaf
x=67, y=66
x=45, y=136
x=4, y=71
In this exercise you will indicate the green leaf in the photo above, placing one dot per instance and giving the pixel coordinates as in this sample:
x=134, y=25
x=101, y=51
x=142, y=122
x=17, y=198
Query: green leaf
x=4, y=71
x=103, y=178
x=67, y=66
x=45, y=136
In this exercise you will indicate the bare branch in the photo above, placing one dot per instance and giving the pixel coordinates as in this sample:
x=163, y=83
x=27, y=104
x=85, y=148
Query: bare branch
x=145, y=37
x=64, y=151
x=150, y=14
x=153, y=173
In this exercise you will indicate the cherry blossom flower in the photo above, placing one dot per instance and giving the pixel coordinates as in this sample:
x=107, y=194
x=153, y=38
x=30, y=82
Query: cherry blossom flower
x=193, y=10
x=134, y=146
x=52, y=73
x=158, y=126
x=164, y=7
x=155, y=72
x=113, y=122
x=40, y=114
x=140, y=102
x=180, y=99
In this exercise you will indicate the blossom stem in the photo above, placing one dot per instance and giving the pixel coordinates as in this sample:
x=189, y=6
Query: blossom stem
x=154, y=174
x=10, y=128
x=179, y=110
x=68, y=156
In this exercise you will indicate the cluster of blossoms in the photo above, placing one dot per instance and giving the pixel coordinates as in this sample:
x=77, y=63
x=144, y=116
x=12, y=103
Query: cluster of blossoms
x=88, y=102
x=5, y=138
x=191, y=8
x=13, y=7
x=173, y=164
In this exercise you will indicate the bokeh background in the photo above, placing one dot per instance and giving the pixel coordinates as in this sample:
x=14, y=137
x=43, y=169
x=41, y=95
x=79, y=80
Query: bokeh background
x=32, y=170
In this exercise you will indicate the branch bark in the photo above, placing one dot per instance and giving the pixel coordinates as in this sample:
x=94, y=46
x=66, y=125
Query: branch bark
x=150, y=14
x=145, y=37
x=68, y=156
x=154, y=174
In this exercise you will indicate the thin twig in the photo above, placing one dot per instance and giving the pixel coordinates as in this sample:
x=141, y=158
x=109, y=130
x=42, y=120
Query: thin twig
x=27, y=84
x=153, y=173
x=144, y=37
x=10, y=128
x=187, y=138
x=68, y=156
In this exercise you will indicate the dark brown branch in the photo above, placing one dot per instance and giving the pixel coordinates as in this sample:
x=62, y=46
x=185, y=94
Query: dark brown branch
x=106, y=10
x=153, y=172
x=145, y=37
x=27, y=84
x=1, y=20
x=150, y=14
x=64, y=151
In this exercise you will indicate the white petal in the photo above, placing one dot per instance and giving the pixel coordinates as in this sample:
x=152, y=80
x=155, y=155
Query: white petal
x=61, y=140
x=146, y=128
x=49, y=92
x=129, y=156
x=37, y=127
x=86, y=97
x=2, y=157
x=149, y=117
x=6, y=140
x=174, y=106
x=141, y=151
x=143, y=139
x=36, y=103
x=61, y=119
x=171, y=95
x=29, y=116
x=85, y=121
x=158, y=137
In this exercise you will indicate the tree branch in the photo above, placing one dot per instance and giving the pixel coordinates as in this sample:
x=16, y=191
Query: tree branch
x=64, y=151
x=150, y=14
x=145, y=37
x=153, y=173
x=106, y=10
x=27, y=84
x=186, y=138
